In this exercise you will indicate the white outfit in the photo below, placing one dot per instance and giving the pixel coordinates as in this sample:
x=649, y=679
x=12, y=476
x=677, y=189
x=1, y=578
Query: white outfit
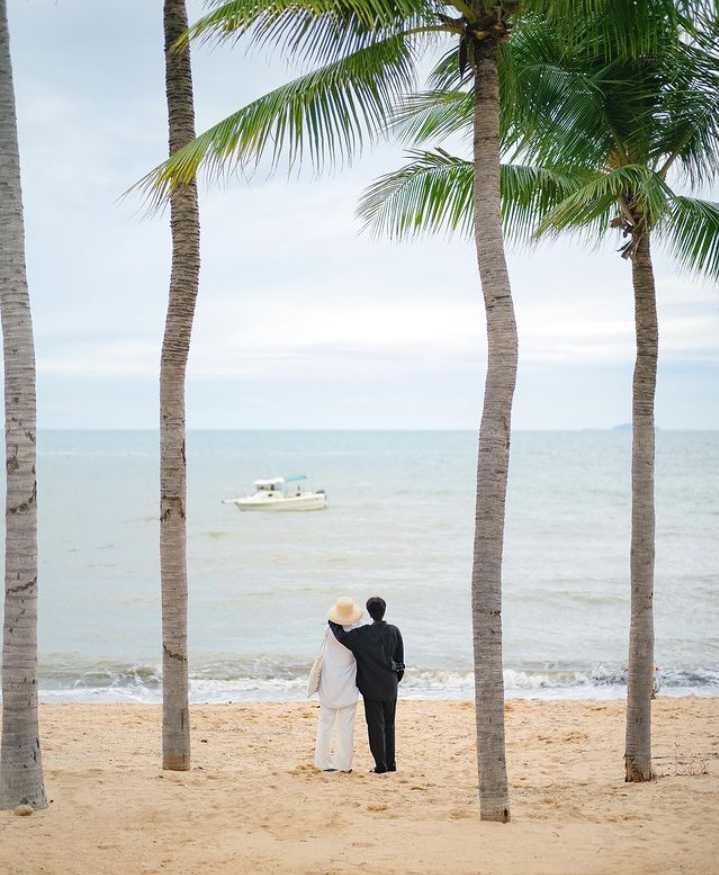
x=338, y=702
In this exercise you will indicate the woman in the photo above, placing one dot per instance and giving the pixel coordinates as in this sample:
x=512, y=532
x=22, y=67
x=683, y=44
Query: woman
x=338, y=694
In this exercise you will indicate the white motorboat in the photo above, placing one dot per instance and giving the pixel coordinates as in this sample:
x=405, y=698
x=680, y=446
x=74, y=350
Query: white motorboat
x=276, y=495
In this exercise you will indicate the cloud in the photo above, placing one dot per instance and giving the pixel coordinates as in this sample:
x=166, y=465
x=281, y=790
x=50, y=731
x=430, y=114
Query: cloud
x=292, y=295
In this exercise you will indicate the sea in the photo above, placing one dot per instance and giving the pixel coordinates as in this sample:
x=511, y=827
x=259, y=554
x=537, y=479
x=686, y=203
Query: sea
x=399, y=524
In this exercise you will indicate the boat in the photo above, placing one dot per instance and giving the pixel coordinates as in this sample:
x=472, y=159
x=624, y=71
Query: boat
x=277, y=495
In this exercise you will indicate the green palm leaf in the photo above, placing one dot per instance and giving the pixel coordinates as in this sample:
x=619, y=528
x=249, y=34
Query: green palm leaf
x=436, y=114
x=589, y=208
x=556, y=104
x=530, y=194
x=317, y=30
x=434, y=193
x=688, y=135
x=616, y=28
x=446, y=75
x=692, y=234
x=325, y=115
x=431, y=193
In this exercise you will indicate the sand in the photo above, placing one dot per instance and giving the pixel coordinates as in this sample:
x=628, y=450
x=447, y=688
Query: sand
x=253, y=803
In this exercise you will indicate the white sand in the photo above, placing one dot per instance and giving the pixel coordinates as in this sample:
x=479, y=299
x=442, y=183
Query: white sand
x=254, y=804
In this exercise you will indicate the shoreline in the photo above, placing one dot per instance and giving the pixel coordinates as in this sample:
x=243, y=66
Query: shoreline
x=152, y=697
x=550, y=699
x=254, y=803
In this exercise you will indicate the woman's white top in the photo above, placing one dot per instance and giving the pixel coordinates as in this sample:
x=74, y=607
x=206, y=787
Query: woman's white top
x=338, y=679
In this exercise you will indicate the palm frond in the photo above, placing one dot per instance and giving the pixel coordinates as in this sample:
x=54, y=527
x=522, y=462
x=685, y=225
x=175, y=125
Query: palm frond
x=530, y=194
x=553, y=102
x=632, y=187
x=614, y=28
x=689, y=139
x=446, y=75
x=686, y=123
x=433, y=193
x=326, y=115
x=692, y=234
x=318, y=31
x=427, y=115
x=429, y=194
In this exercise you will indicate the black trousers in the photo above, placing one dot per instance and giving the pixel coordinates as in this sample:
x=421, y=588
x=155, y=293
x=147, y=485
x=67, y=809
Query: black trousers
x=380, y=728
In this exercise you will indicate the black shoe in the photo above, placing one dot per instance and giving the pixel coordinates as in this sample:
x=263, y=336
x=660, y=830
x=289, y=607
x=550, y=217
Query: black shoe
x=329, y=770
x=392, y=769
x=377, y=771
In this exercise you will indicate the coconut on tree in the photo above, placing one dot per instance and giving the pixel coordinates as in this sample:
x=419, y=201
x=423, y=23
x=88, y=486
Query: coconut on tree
x=607, y=144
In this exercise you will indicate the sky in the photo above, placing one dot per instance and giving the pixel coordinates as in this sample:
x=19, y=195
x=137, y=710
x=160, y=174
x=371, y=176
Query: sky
x=303, y=321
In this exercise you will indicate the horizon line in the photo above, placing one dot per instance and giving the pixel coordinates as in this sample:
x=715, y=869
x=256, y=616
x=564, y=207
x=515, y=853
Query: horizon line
x=622, y=427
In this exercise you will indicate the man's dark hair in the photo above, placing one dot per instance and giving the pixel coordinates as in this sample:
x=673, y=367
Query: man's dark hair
x=376, y=607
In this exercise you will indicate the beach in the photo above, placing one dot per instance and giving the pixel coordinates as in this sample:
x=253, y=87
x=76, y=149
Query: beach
x=253, y=802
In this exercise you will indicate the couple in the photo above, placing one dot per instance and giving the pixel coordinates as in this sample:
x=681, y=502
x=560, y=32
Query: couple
x=369, y=657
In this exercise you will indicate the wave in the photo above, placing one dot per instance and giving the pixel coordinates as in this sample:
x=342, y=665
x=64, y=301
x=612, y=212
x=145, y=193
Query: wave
x=265, y=678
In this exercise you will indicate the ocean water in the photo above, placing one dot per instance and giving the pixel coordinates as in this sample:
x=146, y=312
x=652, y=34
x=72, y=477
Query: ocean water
x=399, y=524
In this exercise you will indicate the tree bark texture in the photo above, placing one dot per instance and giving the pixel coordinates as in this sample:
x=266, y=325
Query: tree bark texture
x=21, y=777
x=638, y=748
x=185, y=226
x=494, y=439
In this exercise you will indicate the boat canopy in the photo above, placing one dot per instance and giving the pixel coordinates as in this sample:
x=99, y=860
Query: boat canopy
x=277, y=482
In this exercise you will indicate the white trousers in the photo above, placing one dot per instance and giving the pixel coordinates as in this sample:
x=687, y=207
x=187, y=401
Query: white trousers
x=340, y=723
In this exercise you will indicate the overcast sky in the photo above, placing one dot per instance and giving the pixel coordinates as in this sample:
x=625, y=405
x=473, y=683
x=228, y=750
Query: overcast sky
x=302, y=322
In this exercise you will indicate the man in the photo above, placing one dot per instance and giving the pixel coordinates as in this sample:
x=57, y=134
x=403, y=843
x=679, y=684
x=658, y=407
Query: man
x=379, y=652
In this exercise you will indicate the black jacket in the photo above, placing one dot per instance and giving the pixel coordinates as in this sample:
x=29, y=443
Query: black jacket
x=379, y=652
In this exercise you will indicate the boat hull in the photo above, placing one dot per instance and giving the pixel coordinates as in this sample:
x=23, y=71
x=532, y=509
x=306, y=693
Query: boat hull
x=315, y=501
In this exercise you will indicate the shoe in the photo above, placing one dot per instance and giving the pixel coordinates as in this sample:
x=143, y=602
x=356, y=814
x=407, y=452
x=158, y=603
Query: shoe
x=377, y=771
x=346, y=771
x=329, y=770
x=392, y=769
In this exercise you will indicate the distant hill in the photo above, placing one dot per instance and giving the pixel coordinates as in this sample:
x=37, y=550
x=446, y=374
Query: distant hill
x=627, y=426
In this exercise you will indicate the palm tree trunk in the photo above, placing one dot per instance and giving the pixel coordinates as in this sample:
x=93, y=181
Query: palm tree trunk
x=185, y=224
x=494, y=436
x=638, y=748
x=21, y=780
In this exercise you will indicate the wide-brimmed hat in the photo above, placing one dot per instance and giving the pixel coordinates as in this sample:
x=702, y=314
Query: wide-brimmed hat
x=345, y=611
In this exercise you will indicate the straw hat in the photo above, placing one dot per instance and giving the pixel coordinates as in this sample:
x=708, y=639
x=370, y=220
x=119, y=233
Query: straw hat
x=345, y=611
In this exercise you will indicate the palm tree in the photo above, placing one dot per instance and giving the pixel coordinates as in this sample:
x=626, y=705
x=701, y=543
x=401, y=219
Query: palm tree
x=367, y=51
x=21, y=779
x=601, y=151
x=185, y=225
